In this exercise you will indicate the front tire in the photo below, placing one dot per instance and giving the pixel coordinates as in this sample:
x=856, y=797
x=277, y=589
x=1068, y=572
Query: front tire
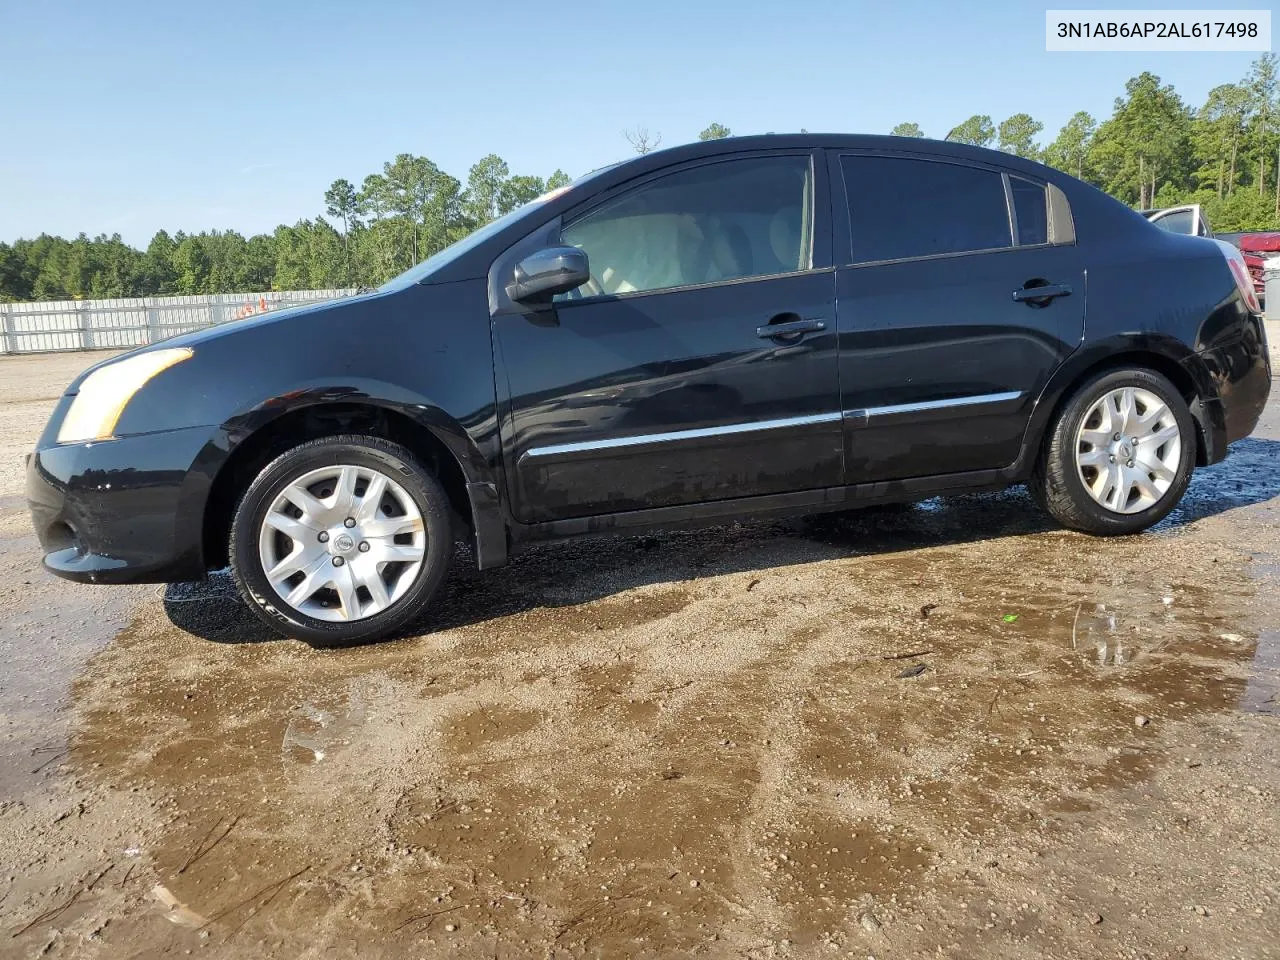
x=1119, y=456
x=341, y=540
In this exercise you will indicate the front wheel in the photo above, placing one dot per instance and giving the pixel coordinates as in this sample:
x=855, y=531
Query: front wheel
x=1119, y=456
x=341, y=540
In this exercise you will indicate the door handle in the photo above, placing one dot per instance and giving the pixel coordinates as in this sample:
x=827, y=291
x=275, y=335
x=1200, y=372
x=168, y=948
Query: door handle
x=790, y=330
x=1042, y=294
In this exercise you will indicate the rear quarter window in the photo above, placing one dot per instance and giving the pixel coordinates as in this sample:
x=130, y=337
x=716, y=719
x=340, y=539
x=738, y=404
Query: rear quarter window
x=901, y=208
x=1031, y=210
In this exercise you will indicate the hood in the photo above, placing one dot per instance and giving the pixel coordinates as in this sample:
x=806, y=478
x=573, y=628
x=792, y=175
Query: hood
x=305, y=312
x=285, y=315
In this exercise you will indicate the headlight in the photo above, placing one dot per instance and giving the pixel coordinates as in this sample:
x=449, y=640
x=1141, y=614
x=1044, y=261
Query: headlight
x=105, y=392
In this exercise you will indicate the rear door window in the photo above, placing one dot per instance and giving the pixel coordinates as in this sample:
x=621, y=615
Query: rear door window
x=901, y=208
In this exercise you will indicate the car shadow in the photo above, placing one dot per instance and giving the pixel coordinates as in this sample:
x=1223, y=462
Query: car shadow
x=581, y=571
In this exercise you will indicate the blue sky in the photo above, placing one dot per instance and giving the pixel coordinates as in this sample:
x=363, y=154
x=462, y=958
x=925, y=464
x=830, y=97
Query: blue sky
x=128, y=116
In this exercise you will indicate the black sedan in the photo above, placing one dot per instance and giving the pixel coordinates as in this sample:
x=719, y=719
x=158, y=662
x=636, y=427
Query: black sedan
x=749, y=326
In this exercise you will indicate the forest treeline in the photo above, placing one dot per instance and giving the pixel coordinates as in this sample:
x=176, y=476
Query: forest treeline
x=1153, y=151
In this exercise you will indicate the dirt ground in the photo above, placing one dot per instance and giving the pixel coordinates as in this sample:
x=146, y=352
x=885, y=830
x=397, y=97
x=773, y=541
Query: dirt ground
x=952, y=730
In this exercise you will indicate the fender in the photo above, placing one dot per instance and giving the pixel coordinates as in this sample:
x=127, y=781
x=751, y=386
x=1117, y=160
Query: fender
x=474, y=448
x=477, y=465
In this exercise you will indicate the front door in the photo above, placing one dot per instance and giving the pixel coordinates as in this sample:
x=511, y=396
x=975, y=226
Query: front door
x=962, y=291
x=698, y=364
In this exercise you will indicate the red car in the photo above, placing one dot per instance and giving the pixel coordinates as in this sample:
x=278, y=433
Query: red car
x=1256, y=247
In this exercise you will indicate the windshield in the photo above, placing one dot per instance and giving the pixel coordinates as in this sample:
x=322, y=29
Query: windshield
x=417, y=274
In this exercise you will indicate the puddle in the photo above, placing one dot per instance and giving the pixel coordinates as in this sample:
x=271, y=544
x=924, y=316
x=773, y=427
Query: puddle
x=49, y=631
x=314, y=733
x=1250, y=475
x=1262, y=693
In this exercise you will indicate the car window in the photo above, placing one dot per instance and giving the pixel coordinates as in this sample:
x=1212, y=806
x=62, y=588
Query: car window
x=900, y=207
x=1031, y=208
x=1180, y=221
x=714, y=222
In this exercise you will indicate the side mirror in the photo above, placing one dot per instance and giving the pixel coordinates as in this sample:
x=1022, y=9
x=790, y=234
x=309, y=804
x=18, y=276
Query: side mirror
x=541, y=275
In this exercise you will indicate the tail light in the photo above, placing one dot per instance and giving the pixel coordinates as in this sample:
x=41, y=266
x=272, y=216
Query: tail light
x=1244, y=283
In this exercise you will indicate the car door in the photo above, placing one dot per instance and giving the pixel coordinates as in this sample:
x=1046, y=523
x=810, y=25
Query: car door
x=698, y=364
x=961, y=289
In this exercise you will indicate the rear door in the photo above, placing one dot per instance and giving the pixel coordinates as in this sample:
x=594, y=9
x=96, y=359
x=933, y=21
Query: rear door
x=960, y=290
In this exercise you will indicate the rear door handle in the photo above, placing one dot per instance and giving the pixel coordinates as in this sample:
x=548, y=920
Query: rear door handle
x=791, y=330
x=1042, y=294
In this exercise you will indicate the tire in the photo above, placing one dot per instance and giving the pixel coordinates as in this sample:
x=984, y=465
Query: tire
x=407, y=559
x=1065, y=472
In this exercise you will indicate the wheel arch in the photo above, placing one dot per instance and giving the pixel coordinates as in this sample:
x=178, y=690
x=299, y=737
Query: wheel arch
x=1168, y=357
x=261, y=439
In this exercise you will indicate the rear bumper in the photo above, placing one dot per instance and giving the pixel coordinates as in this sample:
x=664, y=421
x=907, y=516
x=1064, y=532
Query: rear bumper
x=1241, y=371
x=122, y=511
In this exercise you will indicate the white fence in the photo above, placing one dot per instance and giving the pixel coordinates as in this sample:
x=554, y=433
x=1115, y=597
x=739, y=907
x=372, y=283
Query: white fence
x=107, y=324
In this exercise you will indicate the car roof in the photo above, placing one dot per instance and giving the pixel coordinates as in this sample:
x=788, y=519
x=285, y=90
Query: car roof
x=837, y=141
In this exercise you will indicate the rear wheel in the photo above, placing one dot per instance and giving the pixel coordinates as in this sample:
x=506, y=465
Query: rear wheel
x=1119, y=456
x=341, y=540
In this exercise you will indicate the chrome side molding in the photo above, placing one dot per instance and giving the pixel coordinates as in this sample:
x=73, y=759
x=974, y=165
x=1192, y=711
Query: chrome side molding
x=975, y=400
x=858, y=417
x=699, y=433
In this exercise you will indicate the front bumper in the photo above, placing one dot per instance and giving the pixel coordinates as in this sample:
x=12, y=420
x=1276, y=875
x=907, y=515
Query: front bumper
x=122, y=511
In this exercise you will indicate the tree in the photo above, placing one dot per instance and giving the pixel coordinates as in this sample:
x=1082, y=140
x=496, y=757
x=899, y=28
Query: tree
x=1216, y=134
x=482, y=200
x=977, y=130
x=409, y=184
x=1263, y=135
x=907, y=130
x=1146, y=141
x=10, y=272
x=258, y=271
x=158, y=273
x=1018, y=136
x=341, y=201
x=191, y=265
x=641, y=140
x=716, y=131
x=1070, y=151
x=558, y=179
x=519, y=190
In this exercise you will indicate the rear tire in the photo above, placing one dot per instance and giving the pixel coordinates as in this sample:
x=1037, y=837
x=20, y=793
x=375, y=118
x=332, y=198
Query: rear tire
x=1119, y=456
x=341, y=540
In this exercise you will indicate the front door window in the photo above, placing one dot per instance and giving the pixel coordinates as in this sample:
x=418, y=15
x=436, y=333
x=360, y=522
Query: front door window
x=707, y=224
